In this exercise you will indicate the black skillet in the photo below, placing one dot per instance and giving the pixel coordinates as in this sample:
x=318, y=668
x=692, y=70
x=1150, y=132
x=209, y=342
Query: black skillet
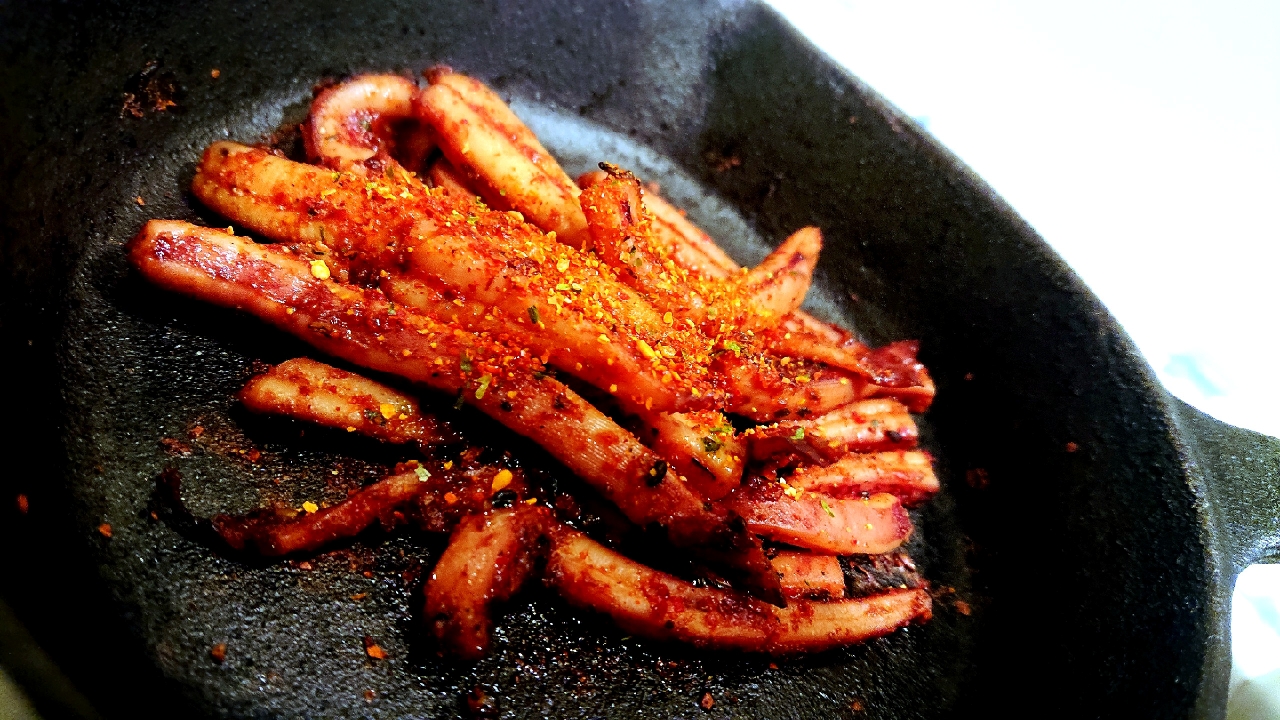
x=1090, y=525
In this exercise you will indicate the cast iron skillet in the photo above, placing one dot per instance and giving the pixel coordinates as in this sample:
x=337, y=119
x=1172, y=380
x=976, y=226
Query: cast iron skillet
x=1095, y=552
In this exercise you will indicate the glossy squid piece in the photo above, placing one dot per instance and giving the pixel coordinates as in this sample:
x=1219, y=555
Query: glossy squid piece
x=766, y=387
x=678, y=238
x=906, y=474
x=355, y=121
x=586, y=323
x=864, y=426
x=500, y=156
x=432, y=495
x=310, y=390
x=892, y=371
x=809, y=575
x=896, y=373
x=837, y=526
x=779, y=283
x=280, y=531
x=652, y=604
x=489, y=557
x=626, y=236
x=621, y=230
x=596, y=327
x=503, y=381
x=702, y=447
x=815, y=626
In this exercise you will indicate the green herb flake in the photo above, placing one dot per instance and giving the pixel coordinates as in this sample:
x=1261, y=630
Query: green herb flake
x=735, y=347
x=533, y=315
x=422, y=473
x=711, y=444
x=464, y=362
x=391, y=308
x=462, y=399
x=563, y=287
x=799, y=434
x=484, y=385
x=825, y=506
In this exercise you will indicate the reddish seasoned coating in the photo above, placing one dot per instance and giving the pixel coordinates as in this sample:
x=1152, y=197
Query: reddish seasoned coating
x=863, y=426
x=896, y=373
x=307, y=389
x=701, y=446
x=359, y=325
x=500, y=155
x=275, y=531
x=891, y=371
x=809, y=575
x=625, y=236
x=592, y=326
x=354, y=121
x=815, y=626
x=905, y=474
x=489, y=257
x=652, y=604
x=297, y=204
x=766, y=387
x=687, y=245
x=678, y=238
x=488, y=558
x=435, y=495
x=840, y=526
x=779, y=283
x=621, y=236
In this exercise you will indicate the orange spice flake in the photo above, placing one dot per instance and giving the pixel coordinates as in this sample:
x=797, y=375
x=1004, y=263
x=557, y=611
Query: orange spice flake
x=374, y=650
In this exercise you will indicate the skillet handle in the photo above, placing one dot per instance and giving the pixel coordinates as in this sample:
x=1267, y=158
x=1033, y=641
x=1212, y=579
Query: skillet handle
x=1241, y=472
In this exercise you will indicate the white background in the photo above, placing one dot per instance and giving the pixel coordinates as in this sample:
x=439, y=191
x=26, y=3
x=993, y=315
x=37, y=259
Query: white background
x=1142, y=140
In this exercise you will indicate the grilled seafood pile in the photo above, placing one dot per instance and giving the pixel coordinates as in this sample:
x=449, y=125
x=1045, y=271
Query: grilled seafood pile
x=431, y=237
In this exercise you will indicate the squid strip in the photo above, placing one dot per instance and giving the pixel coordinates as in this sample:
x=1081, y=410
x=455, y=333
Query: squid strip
x=276, y=532
x=353, y=122
x=701, y=446
x=863, y=426
x=809, y=575
x=484, y=140
x=306, y=389
x=598, y=328
x=907, y=474
x=652, y=604
x=356, y=324
x=489, y=557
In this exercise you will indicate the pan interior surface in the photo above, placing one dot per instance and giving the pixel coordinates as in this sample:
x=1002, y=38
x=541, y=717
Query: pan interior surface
x=1065, y=548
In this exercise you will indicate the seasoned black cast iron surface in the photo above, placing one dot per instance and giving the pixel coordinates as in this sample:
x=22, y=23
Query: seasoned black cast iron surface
x=1095, y=579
